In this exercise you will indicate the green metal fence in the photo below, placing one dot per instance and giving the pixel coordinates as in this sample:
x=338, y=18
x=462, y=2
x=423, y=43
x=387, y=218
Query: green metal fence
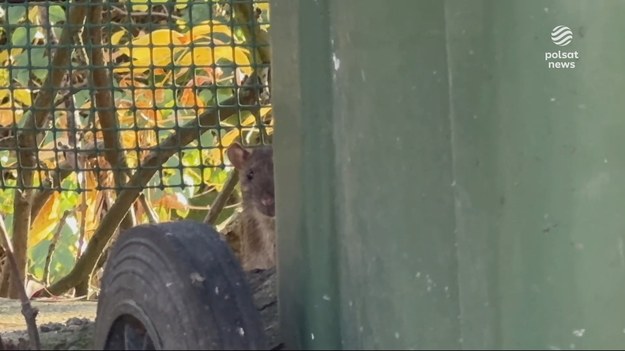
x=118, y=113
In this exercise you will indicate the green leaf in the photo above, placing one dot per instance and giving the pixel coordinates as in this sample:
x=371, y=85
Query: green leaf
x=20, y=71
x=156, y=194
x=39, y=62
x=64, y=255
x=191, y=158
x=207, y=97
x=207, y=174
x=191, y=185
x=204, y=199
x=31, y=60
x=163, y=214
x=218, y=176
x=182, y=213
x=164, y=133
x=15, y=14
x=194, y=174
x=37, y=271
x=172, y=162
x=223, y=94
x=154, y=182
x=70, y=183
x=37, y=256
x=206, y=140
x=24, y=118
x=174, y=179
x=197, y=12
x=56, y=14
x=22, y=36
x=81, y=97
x=175, y=183
x=6, y=198
x=8, y=222
x=167, y=106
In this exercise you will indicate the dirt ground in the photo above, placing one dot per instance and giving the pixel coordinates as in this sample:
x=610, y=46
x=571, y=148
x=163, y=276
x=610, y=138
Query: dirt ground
x=63, y=325
x=69, y=324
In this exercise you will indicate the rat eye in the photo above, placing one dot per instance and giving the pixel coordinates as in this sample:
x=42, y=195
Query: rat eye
x=250, y=174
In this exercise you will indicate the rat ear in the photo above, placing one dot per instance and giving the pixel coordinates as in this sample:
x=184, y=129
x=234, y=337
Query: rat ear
x=237, y=155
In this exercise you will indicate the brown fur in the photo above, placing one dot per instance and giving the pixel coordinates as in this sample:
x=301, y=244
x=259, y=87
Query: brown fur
x=258, y=237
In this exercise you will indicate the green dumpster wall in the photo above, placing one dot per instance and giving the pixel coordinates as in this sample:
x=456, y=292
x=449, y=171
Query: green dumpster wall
x=439, y=186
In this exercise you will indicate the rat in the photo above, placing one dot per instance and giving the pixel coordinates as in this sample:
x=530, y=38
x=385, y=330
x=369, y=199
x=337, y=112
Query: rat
x=258, y=237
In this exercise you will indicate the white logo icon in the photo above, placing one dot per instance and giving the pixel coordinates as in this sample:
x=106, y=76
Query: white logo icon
x=561, y=35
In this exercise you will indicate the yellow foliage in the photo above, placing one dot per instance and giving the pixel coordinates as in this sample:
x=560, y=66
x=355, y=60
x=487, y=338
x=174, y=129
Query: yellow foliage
x=46, y=221
x=23, y=96
x=139, y=5
x=164, y=47
x=154, y=48
x=207, y=56
x=33, y=14
x=91, y=197
x=8, y=115
x=216, y=155
x=175, y=201
x=117, y=37
x=207, y=29
x=4, y=56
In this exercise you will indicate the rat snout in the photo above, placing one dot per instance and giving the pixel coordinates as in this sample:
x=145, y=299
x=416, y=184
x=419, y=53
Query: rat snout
x=268, y=203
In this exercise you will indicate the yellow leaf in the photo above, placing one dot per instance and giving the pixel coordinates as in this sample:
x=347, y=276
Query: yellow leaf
x=215, y=155
x=117, y=37
x=4, y=56
x=140, y=8
x=4, y=77
x=138, y=5
x=9, y=116
x=180, y=4
x=23, y=96
x=46, y=221
x=206, y=56
x=33, y=13
x=4, y=93
x=91, y=198
x=151, y=49
x=16, y=52
x=264, y=6
x=264, y=111
x=207, y=29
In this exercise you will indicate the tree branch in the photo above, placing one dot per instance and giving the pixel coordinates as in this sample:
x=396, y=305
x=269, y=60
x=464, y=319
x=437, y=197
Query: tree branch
x=158, y=155
x=30, y=313
x=114, y=151
x=51, y=248
x=244, y=13
x=222, y=198
x=27, y=142
x=41, y=197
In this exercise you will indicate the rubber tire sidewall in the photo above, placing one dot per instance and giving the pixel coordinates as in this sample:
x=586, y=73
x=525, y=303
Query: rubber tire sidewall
x=184, y=284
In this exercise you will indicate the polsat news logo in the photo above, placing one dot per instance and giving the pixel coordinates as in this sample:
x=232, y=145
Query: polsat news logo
x=561, y=36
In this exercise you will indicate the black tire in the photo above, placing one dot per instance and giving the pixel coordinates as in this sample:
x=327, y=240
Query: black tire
x=175, y=286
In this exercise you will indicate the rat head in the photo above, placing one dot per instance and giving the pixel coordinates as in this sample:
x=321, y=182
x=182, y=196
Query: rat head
x=255, y=166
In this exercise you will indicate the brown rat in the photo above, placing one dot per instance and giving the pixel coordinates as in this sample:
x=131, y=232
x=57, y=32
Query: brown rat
x=258, y=237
